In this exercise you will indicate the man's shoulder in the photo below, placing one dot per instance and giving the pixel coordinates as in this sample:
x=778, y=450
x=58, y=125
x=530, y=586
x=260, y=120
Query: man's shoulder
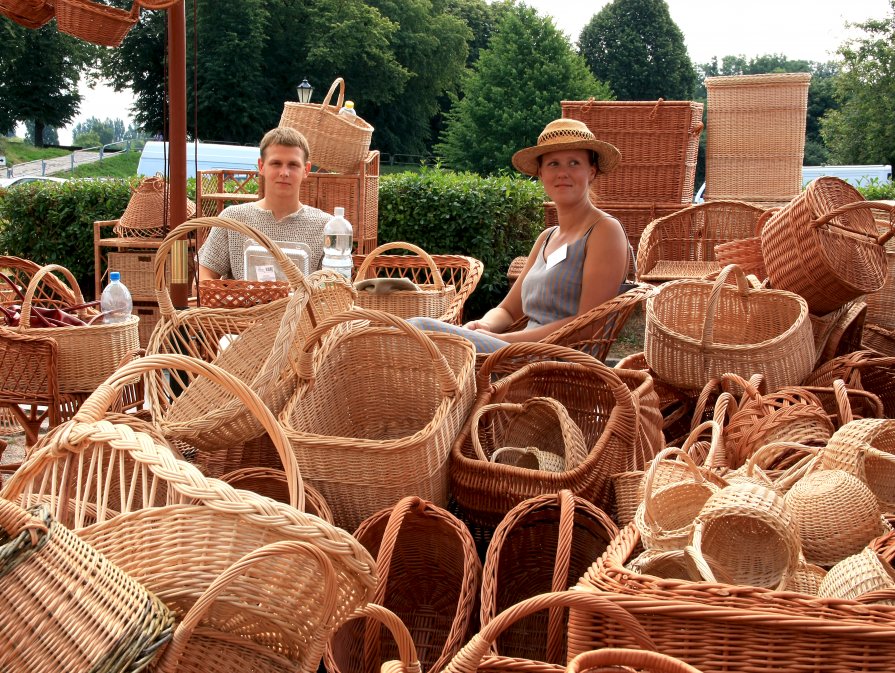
x=240, y=211
x=311, y=214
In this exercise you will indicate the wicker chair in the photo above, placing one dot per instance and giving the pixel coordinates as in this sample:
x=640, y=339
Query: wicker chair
x=595, y=331
x=682, y=245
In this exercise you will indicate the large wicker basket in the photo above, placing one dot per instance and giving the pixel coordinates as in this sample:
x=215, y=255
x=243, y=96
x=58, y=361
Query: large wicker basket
x=338, y=143
x=376, y=410
x=697, y=330
x=825, y=245
x=87, y=354
x=28, y=13
x=756, y=136
x=96, y=22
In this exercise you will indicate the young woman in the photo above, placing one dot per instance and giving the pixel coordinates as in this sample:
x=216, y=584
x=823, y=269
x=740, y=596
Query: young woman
x=573, y=267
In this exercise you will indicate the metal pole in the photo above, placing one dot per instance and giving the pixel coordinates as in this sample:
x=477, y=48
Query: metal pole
x=180, y=280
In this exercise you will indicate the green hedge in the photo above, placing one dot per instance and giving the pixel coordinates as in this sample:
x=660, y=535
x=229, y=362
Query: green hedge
x=877, y=190
x=492, y=219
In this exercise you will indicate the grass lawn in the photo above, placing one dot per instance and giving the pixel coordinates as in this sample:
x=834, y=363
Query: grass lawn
x=119, y=165
x=17, y=151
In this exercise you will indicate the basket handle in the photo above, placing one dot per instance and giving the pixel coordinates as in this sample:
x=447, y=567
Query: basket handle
x=468, y=659
x=843, y=404
x=437, y=280
x=166, y=306
x=95, y=407
x=561, y=562
x=743, y=288
x=611, y=658
x=763, y=219
x=305, y=360
x=337, y=82
x=654, y=467
x=695, y=551
x=888, y=206
x=408, y=661
x=754, y=461
x=14, y=520
x=170, y=660
x=25, y=317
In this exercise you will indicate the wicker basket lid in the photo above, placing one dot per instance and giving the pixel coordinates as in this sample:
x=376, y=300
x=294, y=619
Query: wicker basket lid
x=146, y=208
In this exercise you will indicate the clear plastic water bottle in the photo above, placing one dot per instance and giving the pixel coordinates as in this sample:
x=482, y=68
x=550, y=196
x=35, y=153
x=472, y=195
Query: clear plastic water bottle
x=348, y=109
x=115, y=302
x=337, y=240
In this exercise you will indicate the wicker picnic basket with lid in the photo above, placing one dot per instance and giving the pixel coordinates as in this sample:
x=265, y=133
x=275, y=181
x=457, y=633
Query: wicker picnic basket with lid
x=697, y=330
x=338, y=143
x=825, y=245
x=87, y=354
x=430, y=300
x=658, y=141
x=543, y=544
x=602, y=405
x=144, y=216
x=64, y=606
x=378, y=393
x=755, y=136
x=202, y=414
x=429, y=574
x=725, y=627
x=96, y=22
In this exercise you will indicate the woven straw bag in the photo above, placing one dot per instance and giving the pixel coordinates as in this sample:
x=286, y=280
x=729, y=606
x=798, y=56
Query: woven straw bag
x=666, y=515
x=836, y=513
x=625, y=659
x=543, y=544
x=87, y=354
x=65, y=607
x=749, y=531
x=697, y=330
x=198, y=413
x=429, y=574
x=28, y=13
x=477, y=655
x=599, y=402
x=338, y=143
x=537, y=434
x=857, y=575
x=376, y=409
x=95, y=22
x=825, y=246
x=431, y=300
x=866, y=449
x=145, y=214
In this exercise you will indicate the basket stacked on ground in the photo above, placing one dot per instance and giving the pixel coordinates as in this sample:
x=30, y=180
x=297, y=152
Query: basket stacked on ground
x=376, y=409
x=756, y=136
x=697, y=330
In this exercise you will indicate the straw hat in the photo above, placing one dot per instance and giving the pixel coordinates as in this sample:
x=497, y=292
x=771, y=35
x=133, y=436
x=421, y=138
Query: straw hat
x=566, y=134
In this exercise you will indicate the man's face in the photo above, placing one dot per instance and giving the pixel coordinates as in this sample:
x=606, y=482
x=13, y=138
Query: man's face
x=283, y=169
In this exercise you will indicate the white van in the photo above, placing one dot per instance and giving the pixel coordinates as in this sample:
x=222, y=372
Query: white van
x=210, y=156
x=857, y=176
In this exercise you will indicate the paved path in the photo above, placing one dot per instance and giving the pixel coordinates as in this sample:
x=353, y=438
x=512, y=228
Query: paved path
x=52, y=165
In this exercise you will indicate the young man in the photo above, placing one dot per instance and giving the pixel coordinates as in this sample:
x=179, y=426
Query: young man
x=284, y=164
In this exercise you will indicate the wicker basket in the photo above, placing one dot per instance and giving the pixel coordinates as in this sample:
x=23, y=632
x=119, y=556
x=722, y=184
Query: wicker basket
x=746, y=252
x=825, y=245
x=866, y=449
x=658, y=141
x=697, y=330
x=430, y=300
x=878, y=339
x=861, y=370
x=230, y=293
x=429, y=575
x=373, y=397
x=618, y=659
x=857, y=575
x=147, y=210
x=543, y=544
x=260, y=357
x=338, y=143
x=274, y=484
x=87, y=353
x=66, y=607
x=881, y=304
x=30, y=13
x=95, y=22
x=597, y=400
x=740, y=629
x=756, y=136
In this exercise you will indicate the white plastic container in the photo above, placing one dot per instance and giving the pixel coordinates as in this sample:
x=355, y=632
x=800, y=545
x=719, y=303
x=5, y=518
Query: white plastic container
x=338, y=237
x=259, y=264
x=115, y=301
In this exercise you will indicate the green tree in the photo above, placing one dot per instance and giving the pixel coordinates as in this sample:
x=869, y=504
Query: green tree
x=862, y=131
x=39, y=72
x=97, y=132
x=638, y=50
x=50, y=137
x=513, y=91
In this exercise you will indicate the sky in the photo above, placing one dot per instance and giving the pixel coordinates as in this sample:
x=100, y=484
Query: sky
x=798, y=29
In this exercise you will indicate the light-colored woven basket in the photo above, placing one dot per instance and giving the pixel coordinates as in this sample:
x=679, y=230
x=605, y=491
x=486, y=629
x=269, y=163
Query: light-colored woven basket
x=825, y=245
x=431, y=300
x=234, y=293
x=429, y=575
x=338, y=143
x=87, y=354
x=697, y=330
x=866, y=449
x=746, y=252
x=64, y=606
x=146, y=211
x=806, y=579
x=376, y=410
x=857, y=575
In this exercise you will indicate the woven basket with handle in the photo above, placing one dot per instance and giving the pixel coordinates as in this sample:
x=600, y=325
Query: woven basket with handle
x=28, y=13
x=95, y=22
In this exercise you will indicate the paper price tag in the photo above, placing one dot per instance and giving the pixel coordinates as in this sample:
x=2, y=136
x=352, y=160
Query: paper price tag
x=557, y=256
x=266, y=273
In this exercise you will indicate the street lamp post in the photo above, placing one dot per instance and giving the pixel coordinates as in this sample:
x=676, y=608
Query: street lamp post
x=304, y=91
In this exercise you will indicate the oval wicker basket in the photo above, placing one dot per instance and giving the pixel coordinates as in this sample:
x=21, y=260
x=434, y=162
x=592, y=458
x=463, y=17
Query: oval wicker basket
x=857, y=575
x=866, y=449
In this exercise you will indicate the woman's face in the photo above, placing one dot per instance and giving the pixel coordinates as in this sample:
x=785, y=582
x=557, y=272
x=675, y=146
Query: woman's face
x=567, y=174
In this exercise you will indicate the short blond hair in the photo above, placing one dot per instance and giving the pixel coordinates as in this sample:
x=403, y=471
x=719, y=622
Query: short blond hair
x=288, y=137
